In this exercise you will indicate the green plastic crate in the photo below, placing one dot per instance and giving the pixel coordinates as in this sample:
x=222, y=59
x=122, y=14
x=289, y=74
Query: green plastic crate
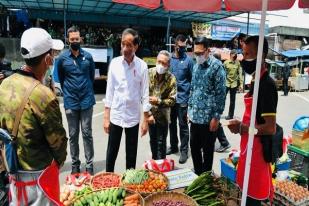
x=300, y=160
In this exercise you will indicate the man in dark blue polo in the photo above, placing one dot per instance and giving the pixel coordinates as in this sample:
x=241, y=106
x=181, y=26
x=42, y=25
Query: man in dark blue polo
x=181, y=67
x=76, y=75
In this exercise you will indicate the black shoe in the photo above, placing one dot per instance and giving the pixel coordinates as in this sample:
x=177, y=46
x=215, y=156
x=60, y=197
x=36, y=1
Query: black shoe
x=90, y=171
x=171, y=151
x=183, y=158
x=75, y=170
x=223, y=148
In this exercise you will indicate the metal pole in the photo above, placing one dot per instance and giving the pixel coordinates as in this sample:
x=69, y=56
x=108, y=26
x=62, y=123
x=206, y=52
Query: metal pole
x=168, y=31
x=248, y=19
x=64, y=22
x=255, y=98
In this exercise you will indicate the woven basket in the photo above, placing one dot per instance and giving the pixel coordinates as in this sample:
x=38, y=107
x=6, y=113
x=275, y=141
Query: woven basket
x=175, y=196
x=128, y=192
x=145, y=194
x=105, y=173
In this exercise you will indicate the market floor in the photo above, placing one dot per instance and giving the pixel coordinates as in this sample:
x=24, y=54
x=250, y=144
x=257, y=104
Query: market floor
x=289, y=109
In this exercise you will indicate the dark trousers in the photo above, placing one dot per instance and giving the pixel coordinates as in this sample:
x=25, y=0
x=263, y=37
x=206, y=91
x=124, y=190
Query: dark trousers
x=158, y=134
x=285, y=84
x=179, y=112
x=83, y=118
x=232, y=100
x=202, y=143
x=253, y=202
x=114, y=139
x=221, y=136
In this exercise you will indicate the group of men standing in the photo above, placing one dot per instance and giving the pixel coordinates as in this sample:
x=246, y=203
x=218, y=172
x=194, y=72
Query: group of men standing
x=176, y=89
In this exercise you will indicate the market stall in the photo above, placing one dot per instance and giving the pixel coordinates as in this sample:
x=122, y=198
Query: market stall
x=158, y=183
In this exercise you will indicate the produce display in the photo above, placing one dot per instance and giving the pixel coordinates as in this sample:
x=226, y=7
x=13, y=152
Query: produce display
x=169, y=203
x=132, y=200
x=82, y=192
x=144, y=181
x=205, y=190
x=105, y=180
x=109, y=197
x=67, y=197
x=289, y=193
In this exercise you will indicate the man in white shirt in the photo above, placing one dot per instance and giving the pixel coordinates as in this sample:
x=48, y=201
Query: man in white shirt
x=127, y=90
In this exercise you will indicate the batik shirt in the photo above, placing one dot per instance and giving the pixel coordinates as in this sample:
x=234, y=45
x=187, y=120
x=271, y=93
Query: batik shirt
x=207, y=96
x=165, y=90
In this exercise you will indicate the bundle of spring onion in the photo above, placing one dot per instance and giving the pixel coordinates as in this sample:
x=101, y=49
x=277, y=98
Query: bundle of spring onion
x=205, y=190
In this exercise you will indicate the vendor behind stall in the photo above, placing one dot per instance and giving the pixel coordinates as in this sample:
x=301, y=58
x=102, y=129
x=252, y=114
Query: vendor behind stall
x=260, y=180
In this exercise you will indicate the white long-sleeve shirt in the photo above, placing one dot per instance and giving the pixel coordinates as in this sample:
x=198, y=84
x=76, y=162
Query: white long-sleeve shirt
x=127, y=88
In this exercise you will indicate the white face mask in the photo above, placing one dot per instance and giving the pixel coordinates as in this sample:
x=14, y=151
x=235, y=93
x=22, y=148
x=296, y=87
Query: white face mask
x=161, y=69
x=200, y=59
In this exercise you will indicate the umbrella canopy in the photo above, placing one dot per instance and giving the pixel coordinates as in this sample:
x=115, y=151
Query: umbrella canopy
x=215, y=5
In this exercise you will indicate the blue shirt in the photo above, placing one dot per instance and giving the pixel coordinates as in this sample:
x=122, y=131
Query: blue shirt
x=76, y=76
x=207, y=97
x=182, y=70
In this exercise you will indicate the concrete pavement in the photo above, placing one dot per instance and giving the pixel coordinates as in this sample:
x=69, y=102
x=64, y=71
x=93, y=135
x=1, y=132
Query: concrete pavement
x=289, y=109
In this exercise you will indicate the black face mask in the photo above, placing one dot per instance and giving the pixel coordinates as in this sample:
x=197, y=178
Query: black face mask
x=75, y=46
x=181, y=51
x=248, y=66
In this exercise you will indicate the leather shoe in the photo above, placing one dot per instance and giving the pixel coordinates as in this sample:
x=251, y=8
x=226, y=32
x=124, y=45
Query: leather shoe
x=171, y=151
x=223, y=148
x=75, y=170
x=183, y=158
x=90, y=171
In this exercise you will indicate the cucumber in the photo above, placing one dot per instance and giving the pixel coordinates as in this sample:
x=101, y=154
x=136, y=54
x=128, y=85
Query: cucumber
x=115, y=194
x=120, y=192
x=110, y=196
x=95, y=200
x=105, y=196
x=123, y=193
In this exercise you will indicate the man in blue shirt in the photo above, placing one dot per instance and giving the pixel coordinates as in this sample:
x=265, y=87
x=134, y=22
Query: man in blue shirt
x=206, y=104
x=181, y=67
x=76, y=75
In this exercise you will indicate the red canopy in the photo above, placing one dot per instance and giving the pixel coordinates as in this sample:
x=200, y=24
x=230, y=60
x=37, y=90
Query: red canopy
x=215, y=5
x=303, y=3
x=149, y=4
x=256, y=5
x=193, y=5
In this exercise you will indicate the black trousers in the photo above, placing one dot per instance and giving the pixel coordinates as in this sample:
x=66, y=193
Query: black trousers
x=232, y=100
x=221, y=136
x=202, y=142
x=158, y=135
x=114, y=139
x=285, y=84
x=179, y=111
x=253, y=202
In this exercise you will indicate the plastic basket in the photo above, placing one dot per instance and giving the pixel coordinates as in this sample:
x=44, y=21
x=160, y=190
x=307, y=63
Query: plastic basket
x=283, y=166
x=299, y=160
x=299, y=141
x=228, y=171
